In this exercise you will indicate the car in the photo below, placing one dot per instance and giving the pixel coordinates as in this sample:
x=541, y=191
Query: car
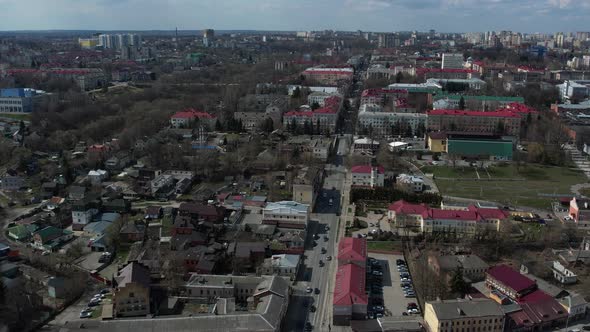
x=586, y=328
x=400, y=262
x=324, y=250
x=404, y=313
x=321, y=263
x=371, y=225
x=93, y=303
x=99, y=296
x=378, y=308
x=308, y=326
x=309, y=289
x=86, y=310
x=406, y=279
x=410, y=295
x=327, y=227
x=377, y=273
x=329, y=258
x=85, y=314
x=325, y=238
x=574, y=330
x=378, y=315
x=414, y=311
x=412, y=305
x=371, y=315
x=325, y=195
x=105, y=291
x=317, y=290
x=312, y=308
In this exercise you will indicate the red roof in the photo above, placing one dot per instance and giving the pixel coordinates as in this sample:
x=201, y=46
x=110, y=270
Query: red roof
x=489, y=213
x=352, y=249
x=511, y=278
x=349, y=287
x=500, y=114
x=404, y=207
x=453, y=214
x=190, y=113
x=539, y=308
x=366, y=169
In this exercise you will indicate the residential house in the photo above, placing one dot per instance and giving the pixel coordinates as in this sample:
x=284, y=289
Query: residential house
x=132, y=232
x=51, y=238
x=11, y=182
x=410, y=183
x=248, y=254
x=562, y=274
x=352, y=250
x=131, y=295
x=180, y=241
x=96, y=177
x=286, y=214
x=350, y=300
x=117, y=162
x=21, y=232
x=163, y=186
x=307, y=185
x=202, y=212
x=281, y=265
x=472, y=267
x=76, y=193
x=466, y=315
x=580, y=212
x=153, y=212
x=367, y=176
x=83, y=211
x=96, y=229
x=56, y=287
x=49, y=189
x=575, y=305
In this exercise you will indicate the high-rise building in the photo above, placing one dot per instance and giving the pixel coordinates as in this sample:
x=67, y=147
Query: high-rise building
x=208, y=37
x=119, y=41
x=386, y=40
x=452, y=61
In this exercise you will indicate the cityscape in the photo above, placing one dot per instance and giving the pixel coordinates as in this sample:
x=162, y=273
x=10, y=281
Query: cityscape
x=267, y=180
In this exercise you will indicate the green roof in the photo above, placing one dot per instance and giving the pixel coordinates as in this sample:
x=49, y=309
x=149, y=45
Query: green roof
x=480, y=147
x=480, y=98
x=19, y=232
x=49, y=232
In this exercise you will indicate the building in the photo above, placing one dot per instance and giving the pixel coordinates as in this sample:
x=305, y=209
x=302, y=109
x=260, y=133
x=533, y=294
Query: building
x=462, y=73
x=328, y=76
x=321, y=120
x=365, y=145
x=321, y=148
x=410, y=183
x=19, y=100
x=504, y=122
x=425, y=219
x=83, y=211
x=509, y=282
x=51, y=238
x=562, y=274
x=367, y=176
x=208, y=37
x=464, y=315
x=286, y=214
x=307, y=185
x=11, y=182
x=575, y=305
x=352, y=251
x=579, y=211
x=573, y=90
x=88, y=43
x=372, y=120
x=490, y=147
x=192, y=118
x=431, y=86
x=387, y=40
x=350, y=300
x=319, y=98
x=131, y=295
x=452, y=61
x=468, y=83
x=478, y=103
x=282, y=265
x=473, y=268
x=96, y=177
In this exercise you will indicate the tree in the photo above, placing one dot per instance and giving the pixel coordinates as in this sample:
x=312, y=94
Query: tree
x=458, y=284
x=501, y=128
x=399, y=77
x=462, y=103
x=315, y=105
x=296, y=93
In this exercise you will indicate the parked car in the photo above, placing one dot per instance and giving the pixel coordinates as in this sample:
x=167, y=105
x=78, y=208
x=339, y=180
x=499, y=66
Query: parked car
x=308, y=326
x=377, y=273
x=410, y=295
x=312, y=308
x=324, y=250
x=85, y=314
x=317, y=290
x=329, y=258
x=105, y=291
x=93, y=303
x=378, y=308
x=309, y=289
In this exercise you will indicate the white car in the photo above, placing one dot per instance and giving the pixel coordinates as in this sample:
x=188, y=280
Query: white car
x=309, y=289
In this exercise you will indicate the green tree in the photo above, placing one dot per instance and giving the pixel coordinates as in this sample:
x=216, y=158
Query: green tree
x=462, y=103
x=458, y=284
x=315, y=105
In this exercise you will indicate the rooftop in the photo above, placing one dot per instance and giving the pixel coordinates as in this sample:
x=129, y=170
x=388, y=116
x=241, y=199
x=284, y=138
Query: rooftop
x=459, y=309
x=349, y=287
x=353, y=249
x=511, y=278
x=367, y=169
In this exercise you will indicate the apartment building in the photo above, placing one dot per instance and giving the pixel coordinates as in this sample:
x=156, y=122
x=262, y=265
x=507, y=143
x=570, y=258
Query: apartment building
x=131, y=296
x=475, y=121
x=374, y=120
x=286, y=214
x=328, y=76
x=367, y=176
x=464, y=315
x=452, y=61
x=19, y=100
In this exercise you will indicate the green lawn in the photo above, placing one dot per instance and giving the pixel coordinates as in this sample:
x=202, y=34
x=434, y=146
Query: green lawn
x=451, y=172
x=538, y=179
x=16, y=116
x=383, y=245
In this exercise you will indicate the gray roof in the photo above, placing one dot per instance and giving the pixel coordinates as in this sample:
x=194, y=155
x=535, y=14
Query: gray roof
x=468, y=262
x=546, y=287
x=276, y=285
x=455, y=309
x=134, y=272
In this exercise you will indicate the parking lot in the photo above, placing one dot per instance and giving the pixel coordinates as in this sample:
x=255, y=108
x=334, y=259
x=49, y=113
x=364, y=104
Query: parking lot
x=386, y=290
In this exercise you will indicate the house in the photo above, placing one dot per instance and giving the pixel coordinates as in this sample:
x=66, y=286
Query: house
x=307, y=185
x=11, y=182
x=191, y=117
x=509, y=282
x=286, y=214
x=580, y=212
x=96, y=229
x=289, y=242
x=97, y=177
x=163, y=186
x=54, y=203
x=350, y=299
x=205, y=266
x=132, y=232
x=473, y=267
x=50, y=238
x=153, y=212
x=22, y=233
x=118, y=162
x=281, y=265
x=183, y=225
x=131, y=295
x=248, y=254
x=470, y=315
x=352, y=250
x=575, y=305
x=56, y=287
x=367, y=176
x=119, y=205
x=76, y=193
x=49, y=189
x=180, y=241
x=410, y=183
x=202, y=212
x=562, y=274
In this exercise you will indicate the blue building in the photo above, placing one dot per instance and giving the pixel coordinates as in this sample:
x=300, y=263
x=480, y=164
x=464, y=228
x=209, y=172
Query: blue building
x=20, y=100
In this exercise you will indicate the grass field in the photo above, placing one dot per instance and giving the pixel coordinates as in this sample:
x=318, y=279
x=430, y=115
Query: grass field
x=450, y=172
x=16, y=116
x=538, y=179
x=384, y=245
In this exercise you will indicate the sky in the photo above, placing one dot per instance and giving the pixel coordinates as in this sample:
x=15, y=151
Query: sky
x=300, y=15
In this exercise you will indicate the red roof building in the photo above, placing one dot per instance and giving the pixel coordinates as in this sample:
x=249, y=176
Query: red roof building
x=429, y=220
x=185, y=118
x=352, y=250
x=325, y=116
x=509, y=282
x=475, y=121
x=350, y=300
x=367, y=169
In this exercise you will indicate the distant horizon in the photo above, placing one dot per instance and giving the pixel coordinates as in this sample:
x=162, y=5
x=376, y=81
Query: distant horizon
x=450, y=16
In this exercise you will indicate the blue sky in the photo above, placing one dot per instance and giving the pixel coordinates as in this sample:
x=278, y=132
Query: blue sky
x=368, y=15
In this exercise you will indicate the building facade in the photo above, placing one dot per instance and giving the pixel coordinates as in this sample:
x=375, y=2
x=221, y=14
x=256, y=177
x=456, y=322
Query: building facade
x=495, y=122
x=286, y=214
x=367, y=176
x=464, y=315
